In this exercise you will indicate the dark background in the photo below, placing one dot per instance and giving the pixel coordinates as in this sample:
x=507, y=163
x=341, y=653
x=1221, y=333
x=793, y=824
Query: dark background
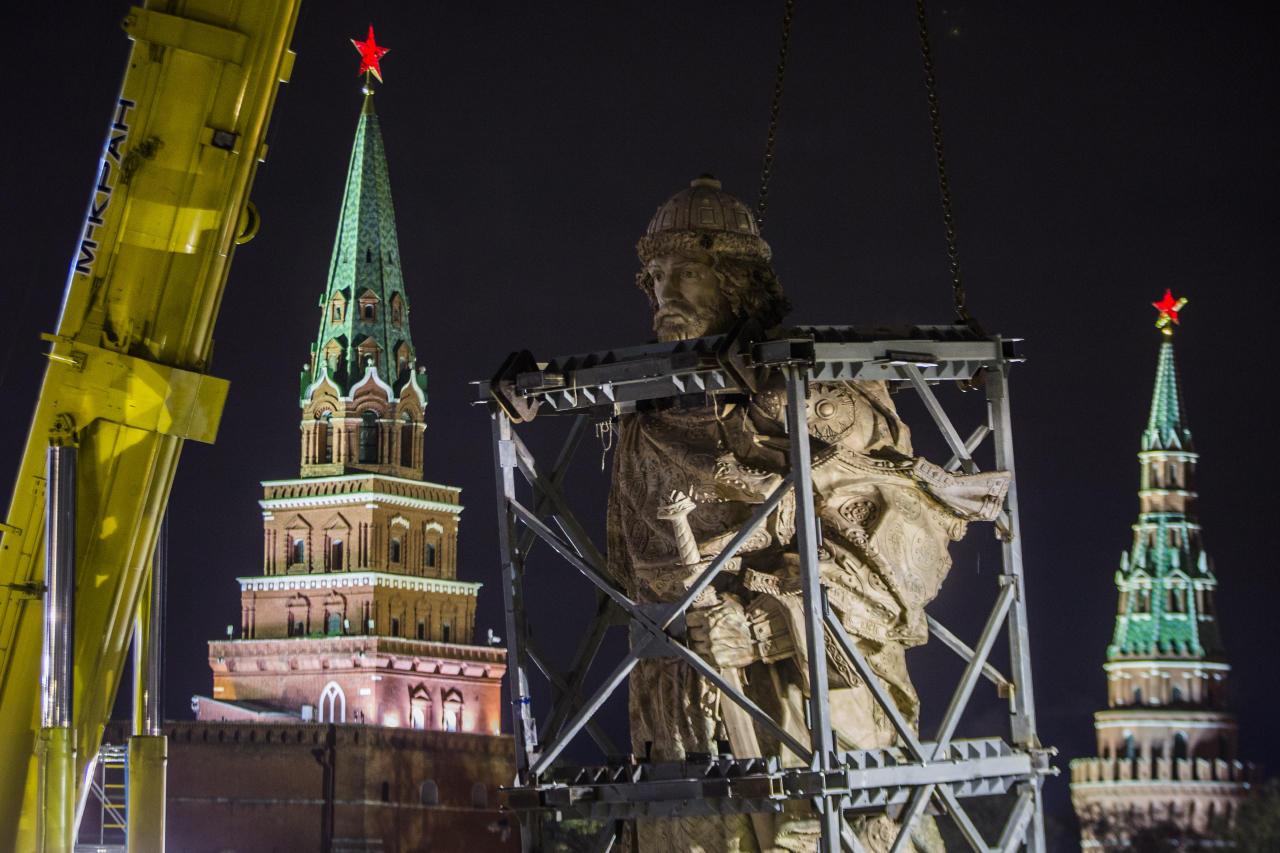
x=1099, y=153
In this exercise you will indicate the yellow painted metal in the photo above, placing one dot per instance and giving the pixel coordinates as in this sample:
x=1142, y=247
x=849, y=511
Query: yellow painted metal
x=148, y=755
x=127, y=363
x=142, y=658
x=56, y=757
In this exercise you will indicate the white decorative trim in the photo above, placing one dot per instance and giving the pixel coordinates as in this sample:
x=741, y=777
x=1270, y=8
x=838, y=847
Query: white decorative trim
x=337, y=703
x=1170, y=722
x=418, y=393
x=371, y=372
x=324, y=377
x=269, y=583
x=373, y=499
x=1156, y=664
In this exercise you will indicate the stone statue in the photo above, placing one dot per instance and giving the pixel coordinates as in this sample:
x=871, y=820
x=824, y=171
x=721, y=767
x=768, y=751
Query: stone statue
x=686, y=479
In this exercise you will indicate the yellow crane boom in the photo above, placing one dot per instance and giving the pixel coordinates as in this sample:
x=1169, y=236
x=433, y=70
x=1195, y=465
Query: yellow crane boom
x=126, y=380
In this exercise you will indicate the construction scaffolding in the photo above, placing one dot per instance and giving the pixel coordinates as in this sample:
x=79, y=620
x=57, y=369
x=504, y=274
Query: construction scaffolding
x=915, y=776
x=107, y=830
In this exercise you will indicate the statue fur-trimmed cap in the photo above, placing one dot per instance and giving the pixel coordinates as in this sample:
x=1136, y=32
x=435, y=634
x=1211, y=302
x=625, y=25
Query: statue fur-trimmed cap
x=704, y=218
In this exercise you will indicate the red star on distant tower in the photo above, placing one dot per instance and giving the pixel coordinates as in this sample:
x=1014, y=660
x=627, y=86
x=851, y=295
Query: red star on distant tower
x=370, y=53
x=1168, y=308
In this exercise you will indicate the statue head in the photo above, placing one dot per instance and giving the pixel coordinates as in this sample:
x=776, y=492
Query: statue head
x=704, y=265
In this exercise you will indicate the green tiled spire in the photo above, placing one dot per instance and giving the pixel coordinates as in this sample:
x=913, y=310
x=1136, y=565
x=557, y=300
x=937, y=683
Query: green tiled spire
x=1166, y=427
x=365, y=310
x=1165, y=580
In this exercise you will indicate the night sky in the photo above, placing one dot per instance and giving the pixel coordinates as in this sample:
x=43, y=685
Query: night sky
x=1099, y=153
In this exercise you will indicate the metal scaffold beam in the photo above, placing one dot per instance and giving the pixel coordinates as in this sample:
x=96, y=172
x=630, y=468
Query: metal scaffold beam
x=912, y=778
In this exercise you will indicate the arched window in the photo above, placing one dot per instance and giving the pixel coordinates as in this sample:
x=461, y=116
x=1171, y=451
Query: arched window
x=1137, y=695
x=422, y=629
x=332, y=353
x=324, y=437
x=395, y=626
x=333, y=704
x=299, y=554
x=452, y=718
x=431, y=554
x=395, y=549
x=444, y=632
x=419, y=706
x=370, y=313
x=406, y=441
x=335, y=555
x=429, y=793
x=1176, y=696
x=1180, y=745
x=1130, y=747
x=335, y=623
x=368, y=437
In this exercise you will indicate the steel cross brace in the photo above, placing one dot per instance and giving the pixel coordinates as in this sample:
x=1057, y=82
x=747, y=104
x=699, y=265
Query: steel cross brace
x=930, y=361
x=865, y=781
x=659, y=639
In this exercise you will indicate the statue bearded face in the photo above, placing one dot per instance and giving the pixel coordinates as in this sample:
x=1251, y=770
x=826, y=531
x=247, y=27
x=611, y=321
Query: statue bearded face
x=689, y=298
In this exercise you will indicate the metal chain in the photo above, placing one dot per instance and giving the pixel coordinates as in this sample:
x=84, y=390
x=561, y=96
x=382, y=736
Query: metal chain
x=766, y=171
x=944, y=184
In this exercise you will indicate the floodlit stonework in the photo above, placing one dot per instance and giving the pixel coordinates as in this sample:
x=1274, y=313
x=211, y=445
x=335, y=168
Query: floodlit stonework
x=1167, y=767
x=352, y=709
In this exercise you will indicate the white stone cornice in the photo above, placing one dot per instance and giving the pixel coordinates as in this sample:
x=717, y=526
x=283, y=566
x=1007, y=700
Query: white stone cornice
x=373, y=499
x=1175, y=720
x=1148, y=664
x=340, y=580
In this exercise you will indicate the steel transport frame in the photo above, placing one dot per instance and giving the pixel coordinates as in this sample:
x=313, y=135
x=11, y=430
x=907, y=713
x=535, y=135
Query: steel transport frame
x=905, y=781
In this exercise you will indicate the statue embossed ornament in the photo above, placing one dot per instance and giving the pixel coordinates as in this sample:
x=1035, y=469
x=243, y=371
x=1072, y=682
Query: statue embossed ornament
x=685, y=480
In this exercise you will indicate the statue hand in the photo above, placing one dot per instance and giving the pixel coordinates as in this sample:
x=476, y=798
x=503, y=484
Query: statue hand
x=720, y=634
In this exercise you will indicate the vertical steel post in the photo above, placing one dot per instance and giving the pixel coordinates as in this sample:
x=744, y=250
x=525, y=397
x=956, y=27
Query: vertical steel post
x=55, y=745
x=148, y=747
x=523, y=729
x=1021, y=703
x=822, y=738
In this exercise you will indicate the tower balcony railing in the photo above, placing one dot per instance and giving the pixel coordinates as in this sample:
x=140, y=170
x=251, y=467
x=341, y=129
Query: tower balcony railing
x=1161, y=769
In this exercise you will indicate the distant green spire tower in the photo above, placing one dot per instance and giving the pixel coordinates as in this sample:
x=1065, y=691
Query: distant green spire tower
x=1166, y=760
x=363, y=394
x=1165, y=581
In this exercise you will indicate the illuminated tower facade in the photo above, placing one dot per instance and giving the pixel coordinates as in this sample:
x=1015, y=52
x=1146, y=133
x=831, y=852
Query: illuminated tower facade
x=358, y=615
x=1167, y=766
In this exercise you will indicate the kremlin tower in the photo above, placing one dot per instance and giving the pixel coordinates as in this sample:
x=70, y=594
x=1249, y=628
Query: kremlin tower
x=1167, y=766
x=358, y=615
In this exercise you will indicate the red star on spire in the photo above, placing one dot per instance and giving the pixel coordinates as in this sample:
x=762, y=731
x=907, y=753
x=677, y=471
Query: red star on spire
x=370, y=53
x=1168, y=308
